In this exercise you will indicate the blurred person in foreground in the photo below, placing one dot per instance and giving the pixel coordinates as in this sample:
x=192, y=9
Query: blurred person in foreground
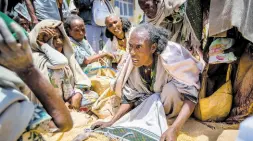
x=18, y=70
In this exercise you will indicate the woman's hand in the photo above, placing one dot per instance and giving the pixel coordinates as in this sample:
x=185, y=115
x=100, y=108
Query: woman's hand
x=110, y=55
x=101, y=124
x=170, y=134
x=45, y=35
x=13, y=55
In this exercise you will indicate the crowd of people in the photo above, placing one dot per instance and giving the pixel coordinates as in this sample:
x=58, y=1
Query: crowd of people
x=177, y=64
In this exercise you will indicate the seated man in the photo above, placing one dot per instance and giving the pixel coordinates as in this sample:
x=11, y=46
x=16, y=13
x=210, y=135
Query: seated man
x=157, y=72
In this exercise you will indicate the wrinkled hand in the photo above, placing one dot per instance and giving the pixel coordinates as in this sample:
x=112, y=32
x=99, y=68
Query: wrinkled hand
x=169, y=135
x=45, y=35
x=14, y=55
x=101, y=124
x=110, y=55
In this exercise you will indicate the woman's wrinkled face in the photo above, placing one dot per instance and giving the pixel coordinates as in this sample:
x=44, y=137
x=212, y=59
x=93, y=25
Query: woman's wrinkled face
x=140, y=48
x=114, y=25
x=77, y=30
x=149, y=7
x=58, y=40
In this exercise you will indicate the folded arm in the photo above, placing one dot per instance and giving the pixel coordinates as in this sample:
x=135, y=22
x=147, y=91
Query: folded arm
x=57, y=60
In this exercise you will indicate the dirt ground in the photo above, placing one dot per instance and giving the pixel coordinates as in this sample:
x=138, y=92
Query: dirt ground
x=193, y=130
x=198, y=131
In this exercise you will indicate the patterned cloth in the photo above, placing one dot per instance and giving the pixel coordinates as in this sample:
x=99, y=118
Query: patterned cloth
x=89, y=97
x=128, y=133
x=60, y=81
x=38, y=124
x=40, y=119
x=82, y=49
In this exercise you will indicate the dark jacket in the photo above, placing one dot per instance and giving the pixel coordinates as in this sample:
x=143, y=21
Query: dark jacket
x=85, y=10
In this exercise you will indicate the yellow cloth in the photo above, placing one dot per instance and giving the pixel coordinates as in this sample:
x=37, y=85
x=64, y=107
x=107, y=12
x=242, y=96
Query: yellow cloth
x=100, y=84
x=217, y=106
x=107, y=104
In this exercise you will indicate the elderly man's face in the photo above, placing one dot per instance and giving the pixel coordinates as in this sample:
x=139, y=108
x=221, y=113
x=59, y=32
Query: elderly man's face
x=140, y=48
x=149, y=7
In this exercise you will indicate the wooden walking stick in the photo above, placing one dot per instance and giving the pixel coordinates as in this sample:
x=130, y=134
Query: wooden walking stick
x=59, y=5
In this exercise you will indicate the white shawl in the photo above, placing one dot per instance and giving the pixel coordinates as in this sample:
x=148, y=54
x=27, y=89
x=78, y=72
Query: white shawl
x=175, y=59
x=41, y=60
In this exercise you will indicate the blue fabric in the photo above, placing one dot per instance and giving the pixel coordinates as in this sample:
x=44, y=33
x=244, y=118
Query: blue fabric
x=96, y=34
x=246, y=130
x=83, y=50
x=47, y=9
x=39, y=116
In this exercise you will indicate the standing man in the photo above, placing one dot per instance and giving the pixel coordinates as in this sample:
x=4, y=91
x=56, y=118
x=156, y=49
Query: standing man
x=47, y=9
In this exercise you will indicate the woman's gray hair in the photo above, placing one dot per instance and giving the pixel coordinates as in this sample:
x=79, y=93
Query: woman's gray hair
x=157, y=35
x=69, y=20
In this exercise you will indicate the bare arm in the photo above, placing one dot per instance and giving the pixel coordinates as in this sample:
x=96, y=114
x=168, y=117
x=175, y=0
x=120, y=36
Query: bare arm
x=95, y=58
x=123, y=109
x=48, y=97
x=18, y=58
x=31, y=11
x=184, y=114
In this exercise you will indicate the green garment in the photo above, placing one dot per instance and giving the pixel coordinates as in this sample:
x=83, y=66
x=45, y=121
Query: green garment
x=8, y=22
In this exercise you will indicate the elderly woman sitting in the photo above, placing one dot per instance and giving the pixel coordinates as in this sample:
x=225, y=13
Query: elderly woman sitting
x=84, y=53
x=118, y=31
x=160, y=78
x=54, y=56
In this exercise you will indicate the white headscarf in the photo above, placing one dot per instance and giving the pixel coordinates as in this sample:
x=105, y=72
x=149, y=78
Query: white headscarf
x=79, y=77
